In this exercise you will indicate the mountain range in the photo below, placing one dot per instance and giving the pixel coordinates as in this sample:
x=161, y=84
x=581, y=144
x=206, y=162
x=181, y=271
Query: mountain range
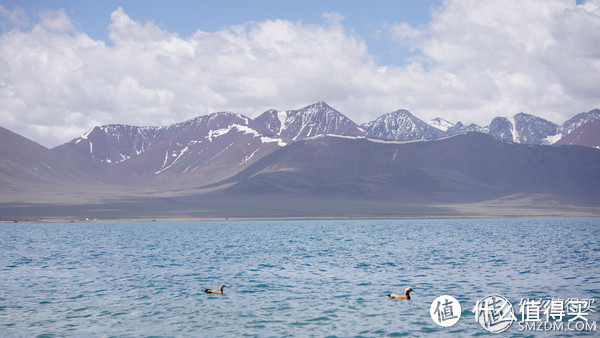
x=310, y=162
x=521, y=128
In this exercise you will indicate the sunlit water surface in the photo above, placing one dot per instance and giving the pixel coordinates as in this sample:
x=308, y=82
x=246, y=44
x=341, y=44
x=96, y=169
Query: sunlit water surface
x=284, y=278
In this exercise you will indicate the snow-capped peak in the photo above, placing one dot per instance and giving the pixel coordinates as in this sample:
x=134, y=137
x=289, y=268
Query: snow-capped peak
x=316, y=119
x=440, y=123
x=401, y=125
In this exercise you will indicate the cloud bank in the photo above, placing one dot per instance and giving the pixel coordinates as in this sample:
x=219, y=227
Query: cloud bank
x=473, y=60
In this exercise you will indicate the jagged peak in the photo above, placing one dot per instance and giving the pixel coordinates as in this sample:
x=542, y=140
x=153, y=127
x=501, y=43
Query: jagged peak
x=524, y=116
x=400, y=114
x=401, y=111
x=210, y=115
x=440, y=123
x=319, y=107
x=320, y=104
x=107, y=129
x=315, y=119
x=309, y=112
x=271, y=111
x=216, y=116
x=500, y=118
x=529, y=117
x=595, y=112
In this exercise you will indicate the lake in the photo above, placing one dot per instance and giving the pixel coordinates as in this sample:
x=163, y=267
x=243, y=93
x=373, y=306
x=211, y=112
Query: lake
x=285, y=278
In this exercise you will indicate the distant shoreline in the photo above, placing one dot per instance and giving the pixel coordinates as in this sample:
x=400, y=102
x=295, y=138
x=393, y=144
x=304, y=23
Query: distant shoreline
x=211, y=208
x=267, y=219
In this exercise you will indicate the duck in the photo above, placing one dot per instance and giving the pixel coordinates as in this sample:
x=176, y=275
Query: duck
x=219, y=292
x=405, y=296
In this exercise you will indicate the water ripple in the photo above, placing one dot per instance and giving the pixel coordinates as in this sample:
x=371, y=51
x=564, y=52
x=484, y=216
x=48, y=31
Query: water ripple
x=283, y=278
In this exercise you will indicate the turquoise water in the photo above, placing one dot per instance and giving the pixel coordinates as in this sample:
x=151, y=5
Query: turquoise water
x=284, y=278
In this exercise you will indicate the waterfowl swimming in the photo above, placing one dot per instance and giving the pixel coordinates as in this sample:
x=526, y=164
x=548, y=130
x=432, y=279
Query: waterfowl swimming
x=405, y=296
x=219, y=292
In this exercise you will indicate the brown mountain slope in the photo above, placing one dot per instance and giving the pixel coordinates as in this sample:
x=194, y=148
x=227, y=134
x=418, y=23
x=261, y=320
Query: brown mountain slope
x=587, y=135
x=467, y=168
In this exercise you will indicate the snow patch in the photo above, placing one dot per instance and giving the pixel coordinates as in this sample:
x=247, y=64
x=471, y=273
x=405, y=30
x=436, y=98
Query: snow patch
x=85, y=135
x=164, y=162
x=513, y=129
x=219, y=153
x=250, y=156
x=122, y=156
x=282, y=116
x=266, y=139
x=551, y=139
x=440, y=124
x=246, y=130
x=183, y=151
x=376, y=140
x=219, y=132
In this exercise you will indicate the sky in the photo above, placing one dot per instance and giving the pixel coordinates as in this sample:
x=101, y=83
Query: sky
x=67, y=66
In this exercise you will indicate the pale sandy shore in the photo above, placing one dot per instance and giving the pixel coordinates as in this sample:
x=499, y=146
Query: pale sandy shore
x=489, y=214
x=270, y=208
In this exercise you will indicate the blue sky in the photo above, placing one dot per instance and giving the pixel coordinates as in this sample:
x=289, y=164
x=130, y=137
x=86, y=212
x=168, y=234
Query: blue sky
x=66, y=66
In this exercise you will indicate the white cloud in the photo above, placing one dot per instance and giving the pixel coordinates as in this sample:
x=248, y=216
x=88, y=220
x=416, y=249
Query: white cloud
x=540, y=57
x=13, y=18
x=405, y=34
x=475, y=59
x=56, y=21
